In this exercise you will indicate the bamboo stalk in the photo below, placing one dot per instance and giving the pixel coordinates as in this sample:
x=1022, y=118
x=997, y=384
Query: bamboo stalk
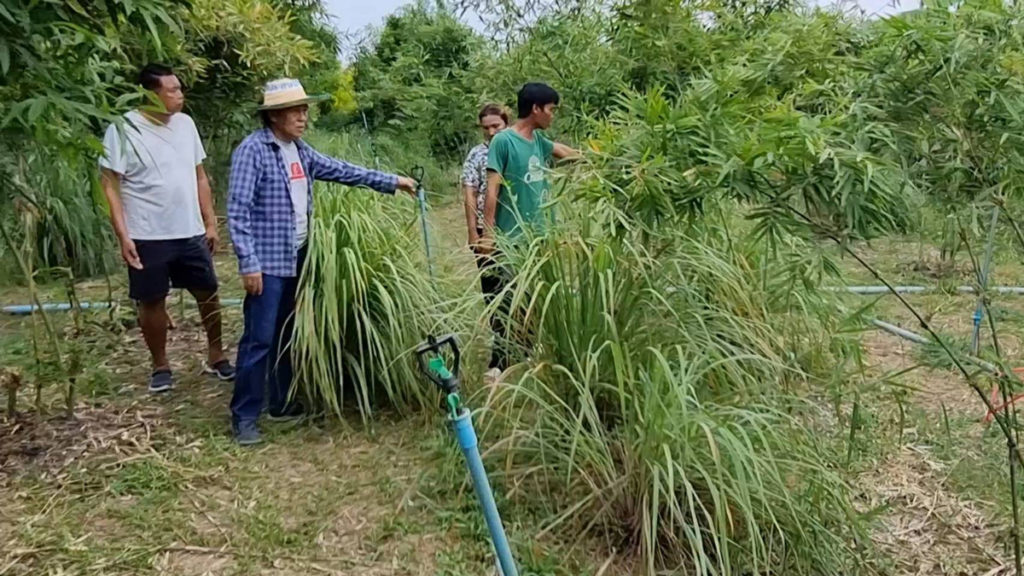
x=12, y=382
x=982, y=275
x=38, y=366
x=33, y=293
x=854, y=417
x=76, y=305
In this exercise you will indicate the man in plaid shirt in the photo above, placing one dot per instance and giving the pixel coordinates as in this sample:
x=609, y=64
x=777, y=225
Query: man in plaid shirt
x=269, y=205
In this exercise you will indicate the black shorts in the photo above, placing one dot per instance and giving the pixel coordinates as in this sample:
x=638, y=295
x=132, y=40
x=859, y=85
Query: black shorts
x=181, y=263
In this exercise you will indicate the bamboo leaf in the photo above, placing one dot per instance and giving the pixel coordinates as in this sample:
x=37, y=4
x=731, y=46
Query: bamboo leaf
x=5, y=13
x=154, y=33
x=5, y=57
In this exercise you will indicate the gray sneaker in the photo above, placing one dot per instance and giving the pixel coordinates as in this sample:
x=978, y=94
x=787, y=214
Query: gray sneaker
x=222, y=370
x=247, y=433
x=161, y=381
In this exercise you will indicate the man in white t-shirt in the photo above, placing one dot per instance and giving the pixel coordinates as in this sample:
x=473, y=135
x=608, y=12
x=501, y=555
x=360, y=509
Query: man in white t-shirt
x=161, y=208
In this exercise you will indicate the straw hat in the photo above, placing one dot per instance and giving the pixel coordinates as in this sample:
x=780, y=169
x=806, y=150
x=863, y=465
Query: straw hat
x=285, y=93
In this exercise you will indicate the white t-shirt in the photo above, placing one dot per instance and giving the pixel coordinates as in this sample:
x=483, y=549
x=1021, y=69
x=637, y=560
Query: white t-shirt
x=299, y=190
x=157, y=164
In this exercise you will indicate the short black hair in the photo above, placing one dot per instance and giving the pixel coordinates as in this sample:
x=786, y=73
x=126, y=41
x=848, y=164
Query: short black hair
x=265, y=117
x=534, y=94
x=149, y=76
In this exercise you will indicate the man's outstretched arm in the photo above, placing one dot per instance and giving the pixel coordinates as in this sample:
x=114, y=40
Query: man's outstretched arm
x=329, y=169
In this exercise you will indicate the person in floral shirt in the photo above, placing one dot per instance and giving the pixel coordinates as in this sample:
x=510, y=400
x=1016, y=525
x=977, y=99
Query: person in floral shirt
x=491, y=119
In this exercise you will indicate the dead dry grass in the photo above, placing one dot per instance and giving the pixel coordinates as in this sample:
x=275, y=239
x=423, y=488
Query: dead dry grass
x=143, y=485
x=342, y=490
x=932, y=389
x=926, y=528
x=48, y=447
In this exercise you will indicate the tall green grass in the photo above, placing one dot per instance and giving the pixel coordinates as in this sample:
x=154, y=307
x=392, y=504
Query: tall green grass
x=654, y=411
x=364, y=303
x=661, y=407
x=56, y=205
x=365, y=298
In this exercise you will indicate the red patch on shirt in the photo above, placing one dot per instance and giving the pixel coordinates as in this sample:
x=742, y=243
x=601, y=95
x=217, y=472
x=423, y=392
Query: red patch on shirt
x=297, y=172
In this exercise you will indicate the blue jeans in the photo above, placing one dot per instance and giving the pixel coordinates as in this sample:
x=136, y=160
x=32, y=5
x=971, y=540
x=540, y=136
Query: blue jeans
x=263, y=363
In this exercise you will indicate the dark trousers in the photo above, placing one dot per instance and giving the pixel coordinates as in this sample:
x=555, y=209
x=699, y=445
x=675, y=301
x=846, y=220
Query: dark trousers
x=264, y=364
x=494, y=278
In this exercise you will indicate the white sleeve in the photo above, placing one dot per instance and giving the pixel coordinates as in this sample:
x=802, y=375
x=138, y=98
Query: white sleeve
x=113, y=151
x=200, y=152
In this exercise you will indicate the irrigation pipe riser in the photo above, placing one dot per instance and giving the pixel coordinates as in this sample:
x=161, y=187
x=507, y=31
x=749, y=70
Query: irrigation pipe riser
x=979, y=310
x=1008, y=407
x=431, y=356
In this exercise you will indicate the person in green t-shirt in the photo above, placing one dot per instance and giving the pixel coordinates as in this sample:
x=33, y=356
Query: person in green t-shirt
x=518, y=161
x=517, y=166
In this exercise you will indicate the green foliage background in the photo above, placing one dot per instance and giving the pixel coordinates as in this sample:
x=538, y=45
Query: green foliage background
x=67, y=70
x=847, y=118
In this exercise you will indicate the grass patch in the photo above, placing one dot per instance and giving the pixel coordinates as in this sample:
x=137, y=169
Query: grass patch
x=656, y=413
x=934, y=356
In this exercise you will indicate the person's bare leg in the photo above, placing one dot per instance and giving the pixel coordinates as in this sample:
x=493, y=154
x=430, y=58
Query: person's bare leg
x=209, y=312
x=153, y=321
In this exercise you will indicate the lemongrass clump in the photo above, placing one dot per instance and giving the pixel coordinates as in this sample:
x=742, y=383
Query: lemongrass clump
x=364, y=303
x=652, y=411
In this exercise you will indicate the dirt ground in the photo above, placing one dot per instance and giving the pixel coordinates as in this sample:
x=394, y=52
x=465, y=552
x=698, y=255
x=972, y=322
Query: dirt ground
x=927, y=526
x=140, y=484
x=155, y=485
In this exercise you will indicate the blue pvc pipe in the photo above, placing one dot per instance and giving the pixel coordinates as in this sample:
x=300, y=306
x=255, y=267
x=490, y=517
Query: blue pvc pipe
x=466, y=435
x=1012, y=290
x=24, y=309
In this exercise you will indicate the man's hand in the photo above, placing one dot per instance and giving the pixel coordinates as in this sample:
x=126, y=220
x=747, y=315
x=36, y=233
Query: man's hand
x=485, y=244
x=212, y=238
x=407, y=184
x=563, y=152
x=474, y=239
x=130, y=255
x=253, y=283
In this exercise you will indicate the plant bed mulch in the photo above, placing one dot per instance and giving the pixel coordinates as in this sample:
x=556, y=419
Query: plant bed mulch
x=48, y=445
x=925, y=528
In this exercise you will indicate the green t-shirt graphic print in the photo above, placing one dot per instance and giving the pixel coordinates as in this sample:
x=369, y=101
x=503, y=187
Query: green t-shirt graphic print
x=523, y=165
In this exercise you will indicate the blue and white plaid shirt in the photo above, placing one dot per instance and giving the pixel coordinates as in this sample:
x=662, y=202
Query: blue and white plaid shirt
x=260, y=214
